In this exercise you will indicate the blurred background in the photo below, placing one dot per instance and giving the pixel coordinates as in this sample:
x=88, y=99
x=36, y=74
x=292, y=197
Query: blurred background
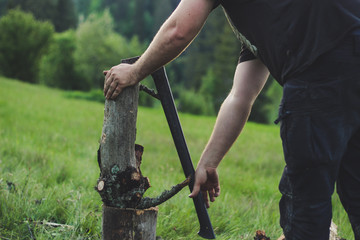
x=66, y=44
x=51, y=120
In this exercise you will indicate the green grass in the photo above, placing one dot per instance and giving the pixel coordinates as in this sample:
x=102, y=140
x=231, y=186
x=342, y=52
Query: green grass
x=48, y=170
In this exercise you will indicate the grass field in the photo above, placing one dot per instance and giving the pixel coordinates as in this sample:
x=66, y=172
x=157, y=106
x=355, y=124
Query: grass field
x=48, y=170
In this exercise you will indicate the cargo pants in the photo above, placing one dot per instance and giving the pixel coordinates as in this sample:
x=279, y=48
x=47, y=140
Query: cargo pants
x=320, y=131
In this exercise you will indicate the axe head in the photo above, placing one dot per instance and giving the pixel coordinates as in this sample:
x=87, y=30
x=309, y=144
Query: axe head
x=206, y=232
x=206, y=229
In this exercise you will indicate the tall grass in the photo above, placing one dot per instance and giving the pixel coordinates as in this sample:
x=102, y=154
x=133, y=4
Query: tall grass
x=48, y=170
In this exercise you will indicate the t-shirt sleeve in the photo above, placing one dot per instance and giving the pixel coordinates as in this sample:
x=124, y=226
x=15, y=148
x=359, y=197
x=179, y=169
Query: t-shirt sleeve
x=216, y=3
x=246, y=55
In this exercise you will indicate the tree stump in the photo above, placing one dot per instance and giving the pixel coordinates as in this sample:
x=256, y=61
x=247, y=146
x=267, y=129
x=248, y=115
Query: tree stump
x=126, y=214
x=121, y=184
x=129, y=223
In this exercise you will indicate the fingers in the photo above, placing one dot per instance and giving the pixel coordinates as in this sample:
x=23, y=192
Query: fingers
x=112, y=91
x=118, y=78
x=111, y=88
x=212, y=195
x=205, y=198
x=195, y=190
x=107, y=82
x=206, y=182
x=116, y=92
x=217, y=191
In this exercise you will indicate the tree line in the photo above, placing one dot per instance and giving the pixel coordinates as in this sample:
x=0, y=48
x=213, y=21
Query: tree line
x=68, y=43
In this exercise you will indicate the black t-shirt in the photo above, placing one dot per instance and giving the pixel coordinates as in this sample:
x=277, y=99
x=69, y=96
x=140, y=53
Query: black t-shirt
x=290, y=34
x=246, y=54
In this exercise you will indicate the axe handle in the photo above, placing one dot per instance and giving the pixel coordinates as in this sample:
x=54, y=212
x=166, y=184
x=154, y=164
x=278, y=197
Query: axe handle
x=167, y=102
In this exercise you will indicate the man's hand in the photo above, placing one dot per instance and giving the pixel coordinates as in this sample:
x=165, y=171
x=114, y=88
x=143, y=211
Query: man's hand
x=206, y=181
x=118, y=78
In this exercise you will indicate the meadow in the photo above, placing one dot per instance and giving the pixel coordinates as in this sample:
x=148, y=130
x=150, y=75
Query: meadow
x=48, y=170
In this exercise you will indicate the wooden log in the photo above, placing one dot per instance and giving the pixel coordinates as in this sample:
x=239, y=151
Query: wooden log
x=121, y=184
x=129, y=224
x=117, y=145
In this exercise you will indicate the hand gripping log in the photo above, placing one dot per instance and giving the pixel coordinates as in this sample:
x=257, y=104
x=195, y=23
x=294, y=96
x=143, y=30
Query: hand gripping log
x=167, y=102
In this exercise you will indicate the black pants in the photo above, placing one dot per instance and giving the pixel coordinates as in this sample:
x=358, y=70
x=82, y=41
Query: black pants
x=320, y=131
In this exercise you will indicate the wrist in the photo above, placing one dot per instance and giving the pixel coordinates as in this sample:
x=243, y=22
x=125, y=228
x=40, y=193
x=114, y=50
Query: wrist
x=207, y=163
x=135, y=74
x=210, y=158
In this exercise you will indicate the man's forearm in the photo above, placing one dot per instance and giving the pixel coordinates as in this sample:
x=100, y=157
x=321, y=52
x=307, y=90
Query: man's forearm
x=230, y=121
x=174, y=36
x=249, y=79
x=163, y=49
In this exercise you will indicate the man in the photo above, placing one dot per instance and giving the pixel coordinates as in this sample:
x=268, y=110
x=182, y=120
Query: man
x=312, y=48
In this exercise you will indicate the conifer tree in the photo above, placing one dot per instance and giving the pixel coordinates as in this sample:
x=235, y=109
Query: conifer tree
x=60, y=12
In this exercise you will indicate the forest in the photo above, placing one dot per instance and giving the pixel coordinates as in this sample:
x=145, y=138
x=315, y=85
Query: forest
x=67, y=44
x=52, y=57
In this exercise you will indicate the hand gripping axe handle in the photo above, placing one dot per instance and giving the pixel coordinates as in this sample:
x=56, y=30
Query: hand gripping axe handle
x=167, y=102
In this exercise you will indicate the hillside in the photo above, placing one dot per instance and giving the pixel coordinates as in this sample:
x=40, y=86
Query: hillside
x=48, y=170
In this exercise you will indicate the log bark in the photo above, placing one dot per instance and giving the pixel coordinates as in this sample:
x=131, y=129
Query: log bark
x=121, y=184
x=117, y=145
x=126, y=214
x=129, y=224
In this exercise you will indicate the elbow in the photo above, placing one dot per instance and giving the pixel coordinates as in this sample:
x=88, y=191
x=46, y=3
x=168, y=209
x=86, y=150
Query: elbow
x=245, y=98
x=178, y=35
x=181, y=35
x=236, y=101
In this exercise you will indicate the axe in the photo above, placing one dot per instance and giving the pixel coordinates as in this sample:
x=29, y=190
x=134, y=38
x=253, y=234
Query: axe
x=167, y=101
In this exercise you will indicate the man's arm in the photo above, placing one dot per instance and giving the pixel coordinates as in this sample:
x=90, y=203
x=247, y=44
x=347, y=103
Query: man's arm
x=249, y=79
x=174, y=36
